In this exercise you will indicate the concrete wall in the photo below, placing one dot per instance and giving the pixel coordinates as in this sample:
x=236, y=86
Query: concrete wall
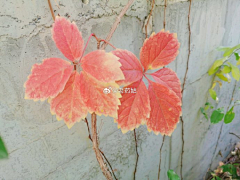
x=42, y=148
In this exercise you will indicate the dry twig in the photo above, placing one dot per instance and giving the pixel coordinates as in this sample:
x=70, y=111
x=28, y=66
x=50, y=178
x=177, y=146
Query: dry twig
x=184, y=81
x=149, y=16
x=136, y=145
x=103, y=166
x=51, y=9
x=115, y=25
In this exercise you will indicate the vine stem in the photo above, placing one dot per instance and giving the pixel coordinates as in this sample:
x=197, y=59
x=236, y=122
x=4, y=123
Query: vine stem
x=149, y=16
x=235, y=135
x=51, y=9
x=90, y=137
x=164, y=21
x=99, y=157
x=115, y=25
x=159, y=167
x=163, y=139
x=136, y=145
x=100, y=160
x=184, y=82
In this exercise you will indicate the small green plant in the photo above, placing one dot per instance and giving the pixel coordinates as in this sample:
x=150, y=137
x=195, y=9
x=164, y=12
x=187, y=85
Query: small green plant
x=230, y=171
x=221, y=70
x=172, y=175
x=3, y=150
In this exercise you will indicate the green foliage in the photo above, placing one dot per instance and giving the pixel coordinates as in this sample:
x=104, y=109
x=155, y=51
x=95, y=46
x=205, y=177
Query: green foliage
x=237, y=56
x=204, y=110
x=172, y=175
x=221, y=70
x=226, y=69
x=217, y=115
x=216, y=178
x=216, y=65
x=3, y=150
x=235, y=71
x=229, y=116
x=213, y=94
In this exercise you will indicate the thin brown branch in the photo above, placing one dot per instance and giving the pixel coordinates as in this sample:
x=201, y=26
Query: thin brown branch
x=164, y=19
x=149, y=16
x=189, y=44
x=159, y=168
x=90, y=137
x=184, y=82
x=160, y=161
x=108, y=164
x=136, y=145
x=99, y=157
x=98, y=152
x=235, y=135
x=51, y=9
x=89, y=133
x=182, y=152
x=115, y=25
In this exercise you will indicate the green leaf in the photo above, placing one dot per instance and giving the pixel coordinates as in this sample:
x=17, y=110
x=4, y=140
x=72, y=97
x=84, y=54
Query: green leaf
x=217, y=116
x=207, y=106
x=213, y=94
x=235, y=71
x=172, y=175
x=238, y=63
x=228, y=52
x=226, y=69
x=229, y=168
x=215, y=66
x=217, y=178
x=3, y=150
x=229, y=116
x=237, y=56
x=204, y=113
x=222, y=48
x=222, y=77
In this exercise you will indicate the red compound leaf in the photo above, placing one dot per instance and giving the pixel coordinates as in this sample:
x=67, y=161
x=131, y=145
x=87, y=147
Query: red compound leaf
x=97, y=101
x=47, y=79
x=135, y=107
x=69, y=104
x=159, y=50
x=68, y=39
x=168, y=78
x=165, y=109
x=131, y=67
x=103, y=66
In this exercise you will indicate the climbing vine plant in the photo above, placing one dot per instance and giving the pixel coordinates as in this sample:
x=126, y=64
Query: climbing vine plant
x=109, y=83
x=223, y=71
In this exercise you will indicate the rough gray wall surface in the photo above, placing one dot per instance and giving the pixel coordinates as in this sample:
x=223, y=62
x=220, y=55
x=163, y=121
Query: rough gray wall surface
x=43, y=148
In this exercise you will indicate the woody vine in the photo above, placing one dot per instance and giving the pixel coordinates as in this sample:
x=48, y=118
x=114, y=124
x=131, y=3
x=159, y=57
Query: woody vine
x=75, y=88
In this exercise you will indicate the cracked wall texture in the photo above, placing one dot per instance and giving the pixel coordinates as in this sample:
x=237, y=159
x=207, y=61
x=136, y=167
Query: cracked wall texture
x=42, y=148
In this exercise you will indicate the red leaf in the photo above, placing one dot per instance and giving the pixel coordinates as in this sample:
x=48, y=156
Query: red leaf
x=68, y=39
x=159, y=50
x=47, y=79
x=165, y=109
x=168, y=78
x=103, y=66
x=131, y=67
x=69, y=104
x=94, y=98
x=135, y=107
